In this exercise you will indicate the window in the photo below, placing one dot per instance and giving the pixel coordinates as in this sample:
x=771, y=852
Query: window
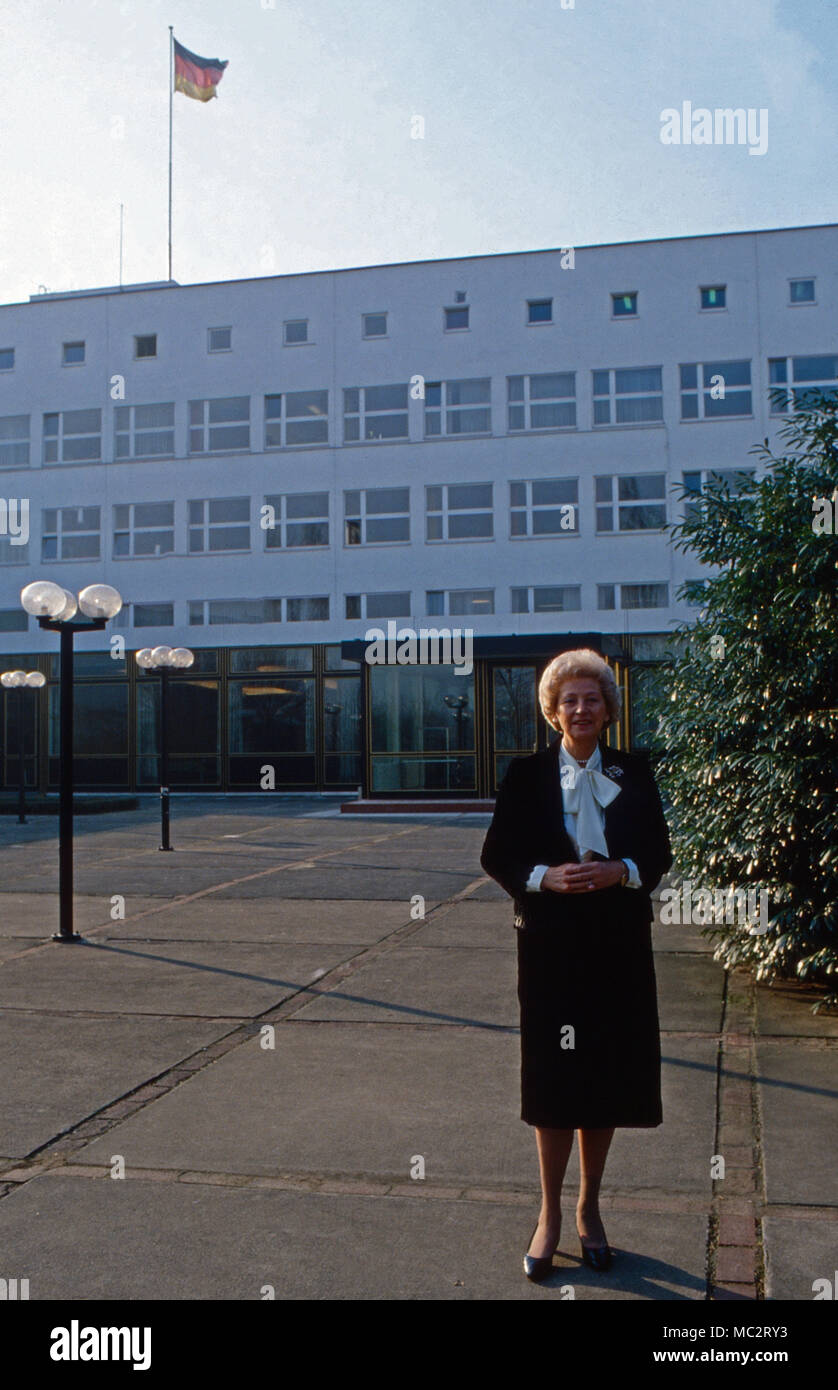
x=801, y=291
x=14, y=441
x=543, y=402
x=7, y=359
x=459, y=603
x=295, y=331
x=715, y=390
x=623, y=305
x=13, y=620
x=300, y=519
x=561, y=598
x=539, y=311
x=374, y=412
x=375, y=325
x=714, y=296
x=12, y=552
x=628, y=396
x=153, y=614
x=145, y=345
x=633, y=596
x=235, y=610
x=73, y=436
x=219, y=523
x=819, y=373
x=143, y=528
x=458, y=407
x=644, y=595
x=219, y=339
x=393, y=605
x=72, y=354
x=635, y=498
x=219, y=426
x=71, y=533
x=459, y=511
x=376, y=516
x=145, y=431
x=544, y=507
x=695, y=481
x=296, y=417
x=456, y=318
x=307, y=610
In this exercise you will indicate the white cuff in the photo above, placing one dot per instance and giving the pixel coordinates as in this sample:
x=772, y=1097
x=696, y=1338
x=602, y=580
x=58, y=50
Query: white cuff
x=634, y=876
x=534, y=880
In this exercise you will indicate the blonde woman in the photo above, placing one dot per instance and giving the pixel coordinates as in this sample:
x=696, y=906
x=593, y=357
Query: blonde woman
x=579, y=841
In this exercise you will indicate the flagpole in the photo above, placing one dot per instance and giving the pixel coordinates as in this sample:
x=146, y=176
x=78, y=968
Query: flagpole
x=171, y=94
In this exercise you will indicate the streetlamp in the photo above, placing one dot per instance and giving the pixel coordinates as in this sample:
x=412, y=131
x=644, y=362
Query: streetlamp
x=56, y=608
x=164, y=660
x=22, y=680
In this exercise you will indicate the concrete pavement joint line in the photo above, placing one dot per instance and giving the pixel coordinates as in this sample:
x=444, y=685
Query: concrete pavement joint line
x=735, y=1255
x=107, y=1117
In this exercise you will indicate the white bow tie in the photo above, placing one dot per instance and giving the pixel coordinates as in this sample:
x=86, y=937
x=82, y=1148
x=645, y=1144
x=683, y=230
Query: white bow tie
x=582, y=792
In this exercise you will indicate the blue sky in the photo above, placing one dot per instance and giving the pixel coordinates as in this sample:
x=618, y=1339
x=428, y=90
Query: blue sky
x=541, y=128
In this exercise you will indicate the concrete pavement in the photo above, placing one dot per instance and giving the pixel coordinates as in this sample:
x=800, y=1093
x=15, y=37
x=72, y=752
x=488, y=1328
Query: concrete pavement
x=313, y=1089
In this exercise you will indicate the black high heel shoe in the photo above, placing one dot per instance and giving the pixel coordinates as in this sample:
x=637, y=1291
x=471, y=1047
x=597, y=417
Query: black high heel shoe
x=537, y=1267
x=596, y=1257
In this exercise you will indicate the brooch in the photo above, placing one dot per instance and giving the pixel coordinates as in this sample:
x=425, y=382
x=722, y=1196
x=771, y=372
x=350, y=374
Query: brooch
x=613, y=771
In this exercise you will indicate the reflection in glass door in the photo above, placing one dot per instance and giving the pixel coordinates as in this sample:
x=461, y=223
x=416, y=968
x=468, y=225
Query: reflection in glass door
x=514, y=721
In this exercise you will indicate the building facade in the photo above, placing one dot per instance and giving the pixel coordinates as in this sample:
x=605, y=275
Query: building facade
x=268, y=469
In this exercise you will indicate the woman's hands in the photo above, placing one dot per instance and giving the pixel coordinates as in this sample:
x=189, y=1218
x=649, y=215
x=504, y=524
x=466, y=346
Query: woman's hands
x=583, y=878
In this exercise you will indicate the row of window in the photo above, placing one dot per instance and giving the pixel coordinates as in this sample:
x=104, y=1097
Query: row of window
x=371, y=516
x=459, y=603
x=539, y=401
x=455, y=318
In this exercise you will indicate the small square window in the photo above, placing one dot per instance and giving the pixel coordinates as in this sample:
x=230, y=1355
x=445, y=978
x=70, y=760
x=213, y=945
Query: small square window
x=220, y=339
x=296, y=331
x=801, y=291
x=605, y=596
x=623, y=305
x=73, y=354
x=375, y=325
x=145, y=345
x=714, y=296
x=353, y=605
x=7, y=359
x=456, y=318
x=435, y=603
x=539, y=311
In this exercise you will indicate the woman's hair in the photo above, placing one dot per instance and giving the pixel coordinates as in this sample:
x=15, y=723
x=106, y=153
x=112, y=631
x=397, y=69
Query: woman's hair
x=568, y=666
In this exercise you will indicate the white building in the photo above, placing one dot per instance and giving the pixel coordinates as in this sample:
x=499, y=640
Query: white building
x=491, y=442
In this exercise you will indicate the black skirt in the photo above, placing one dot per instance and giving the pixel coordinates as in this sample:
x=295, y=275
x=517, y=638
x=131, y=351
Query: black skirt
x=590, y=1040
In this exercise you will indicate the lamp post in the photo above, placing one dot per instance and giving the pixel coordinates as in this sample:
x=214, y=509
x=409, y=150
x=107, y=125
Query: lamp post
x=56, y=608
x=22, y=680
x=164, y=660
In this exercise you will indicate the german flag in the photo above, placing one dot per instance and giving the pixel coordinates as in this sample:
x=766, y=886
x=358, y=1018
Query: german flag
x=197, y=77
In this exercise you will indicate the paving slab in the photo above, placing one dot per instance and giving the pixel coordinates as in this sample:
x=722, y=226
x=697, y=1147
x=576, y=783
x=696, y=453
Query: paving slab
x=81, y=1238
x=363, y=1100
x=446, y=986
x=472, y=925
x=181, y=978
x=57, y=1070
x=690, y=992
x=785, y=1010
x=800, y=1250
x=297, y=920
x=797, y=1093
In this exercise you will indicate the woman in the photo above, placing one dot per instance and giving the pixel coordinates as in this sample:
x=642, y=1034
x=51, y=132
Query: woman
x=579, y=841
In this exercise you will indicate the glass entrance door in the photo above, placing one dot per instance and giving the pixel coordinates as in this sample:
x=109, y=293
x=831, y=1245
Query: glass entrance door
x=513, y=690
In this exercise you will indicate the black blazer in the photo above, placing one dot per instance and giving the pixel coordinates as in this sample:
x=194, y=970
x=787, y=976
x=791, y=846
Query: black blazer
x=528, y=829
